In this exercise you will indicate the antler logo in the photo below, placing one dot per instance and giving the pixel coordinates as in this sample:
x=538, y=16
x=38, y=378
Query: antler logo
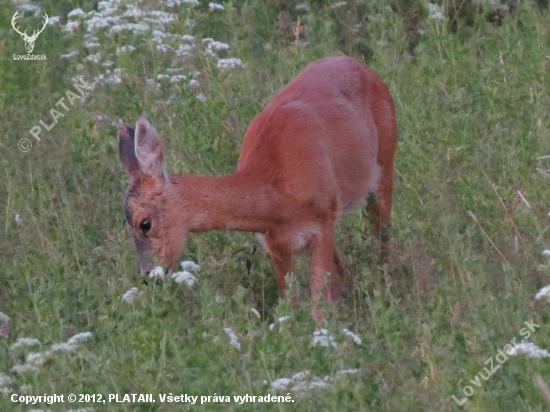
x=29, y=40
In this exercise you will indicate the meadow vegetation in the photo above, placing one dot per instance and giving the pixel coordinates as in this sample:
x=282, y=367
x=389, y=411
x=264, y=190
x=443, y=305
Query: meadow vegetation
x=470, y=82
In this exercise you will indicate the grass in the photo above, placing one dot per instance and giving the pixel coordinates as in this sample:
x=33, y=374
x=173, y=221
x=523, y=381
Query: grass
x=472, y=103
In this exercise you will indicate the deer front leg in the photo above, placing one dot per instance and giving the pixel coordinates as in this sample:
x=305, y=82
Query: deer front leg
x=281, y=258
x=326, y=272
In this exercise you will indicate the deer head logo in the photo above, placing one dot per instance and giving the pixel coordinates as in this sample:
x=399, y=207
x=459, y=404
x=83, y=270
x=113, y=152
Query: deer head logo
x=29, y=40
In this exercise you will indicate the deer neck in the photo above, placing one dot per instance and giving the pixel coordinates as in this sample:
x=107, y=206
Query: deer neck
x=234, y=202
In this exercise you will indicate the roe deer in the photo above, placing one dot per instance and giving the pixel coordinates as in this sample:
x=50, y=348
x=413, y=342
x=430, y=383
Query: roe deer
x=323, y=143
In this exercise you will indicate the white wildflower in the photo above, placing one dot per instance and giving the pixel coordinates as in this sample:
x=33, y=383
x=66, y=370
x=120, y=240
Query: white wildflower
x=187, y=37
x=115, y=78
x=133, y=27
x=194, y=83
x=189, y=264
x=54, y=20
x=352, y=335
x=163, y=76
x=543, y=293
x=164, y=48
x=215, y=6
x=108, y=63
x=24, y=368
x=158, y=33
x=79, y=337
x=62, y=347
x=129, y=295
x=92, y=45
x=107, y=8
x=338, y=4
x=218, y=45
x=125, y=49
x=184, y=277
x=94, y=58
x=36, y=359
x=71, y=27
x=323, y=337
x=230, y=63
x=76, y=13
x=435, y=12
x=69, y=55
x=161, y=17
x=529, y=349
x=99, y=22
x=5, y=330
x=132, y=11
x=300, y=388
x=280, y=320
x=4, y=317
x=172, y=3
x=348, y=372
x=281, y=384
x=157, y=272
x=300, y=383
x=26, y=389
x=177, y=78
x=233, y=339
x=5, y=380
x=183, y=50
x=200, y=97
x=301, y=376
x=77, y=78
x=28, y=6
x=100, y=78
x=302, y=6
x=24, y=342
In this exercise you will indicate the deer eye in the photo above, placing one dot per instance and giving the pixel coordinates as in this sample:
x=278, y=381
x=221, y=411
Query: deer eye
x=145, y=225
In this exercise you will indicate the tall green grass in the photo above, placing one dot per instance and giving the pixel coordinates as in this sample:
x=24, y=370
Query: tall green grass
x=472, y=103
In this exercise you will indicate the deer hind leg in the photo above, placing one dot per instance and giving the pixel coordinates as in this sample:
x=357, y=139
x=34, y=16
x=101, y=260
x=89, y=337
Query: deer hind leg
x=326, y=272
x=379, y=211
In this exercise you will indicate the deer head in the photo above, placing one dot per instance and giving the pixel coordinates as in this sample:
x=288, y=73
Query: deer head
x=149, y=206
x=29, y=40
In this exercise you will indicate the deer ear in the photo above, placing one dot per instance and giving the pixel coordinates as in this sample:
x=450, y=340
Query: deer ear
x=127, y=151
x=149, y=148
